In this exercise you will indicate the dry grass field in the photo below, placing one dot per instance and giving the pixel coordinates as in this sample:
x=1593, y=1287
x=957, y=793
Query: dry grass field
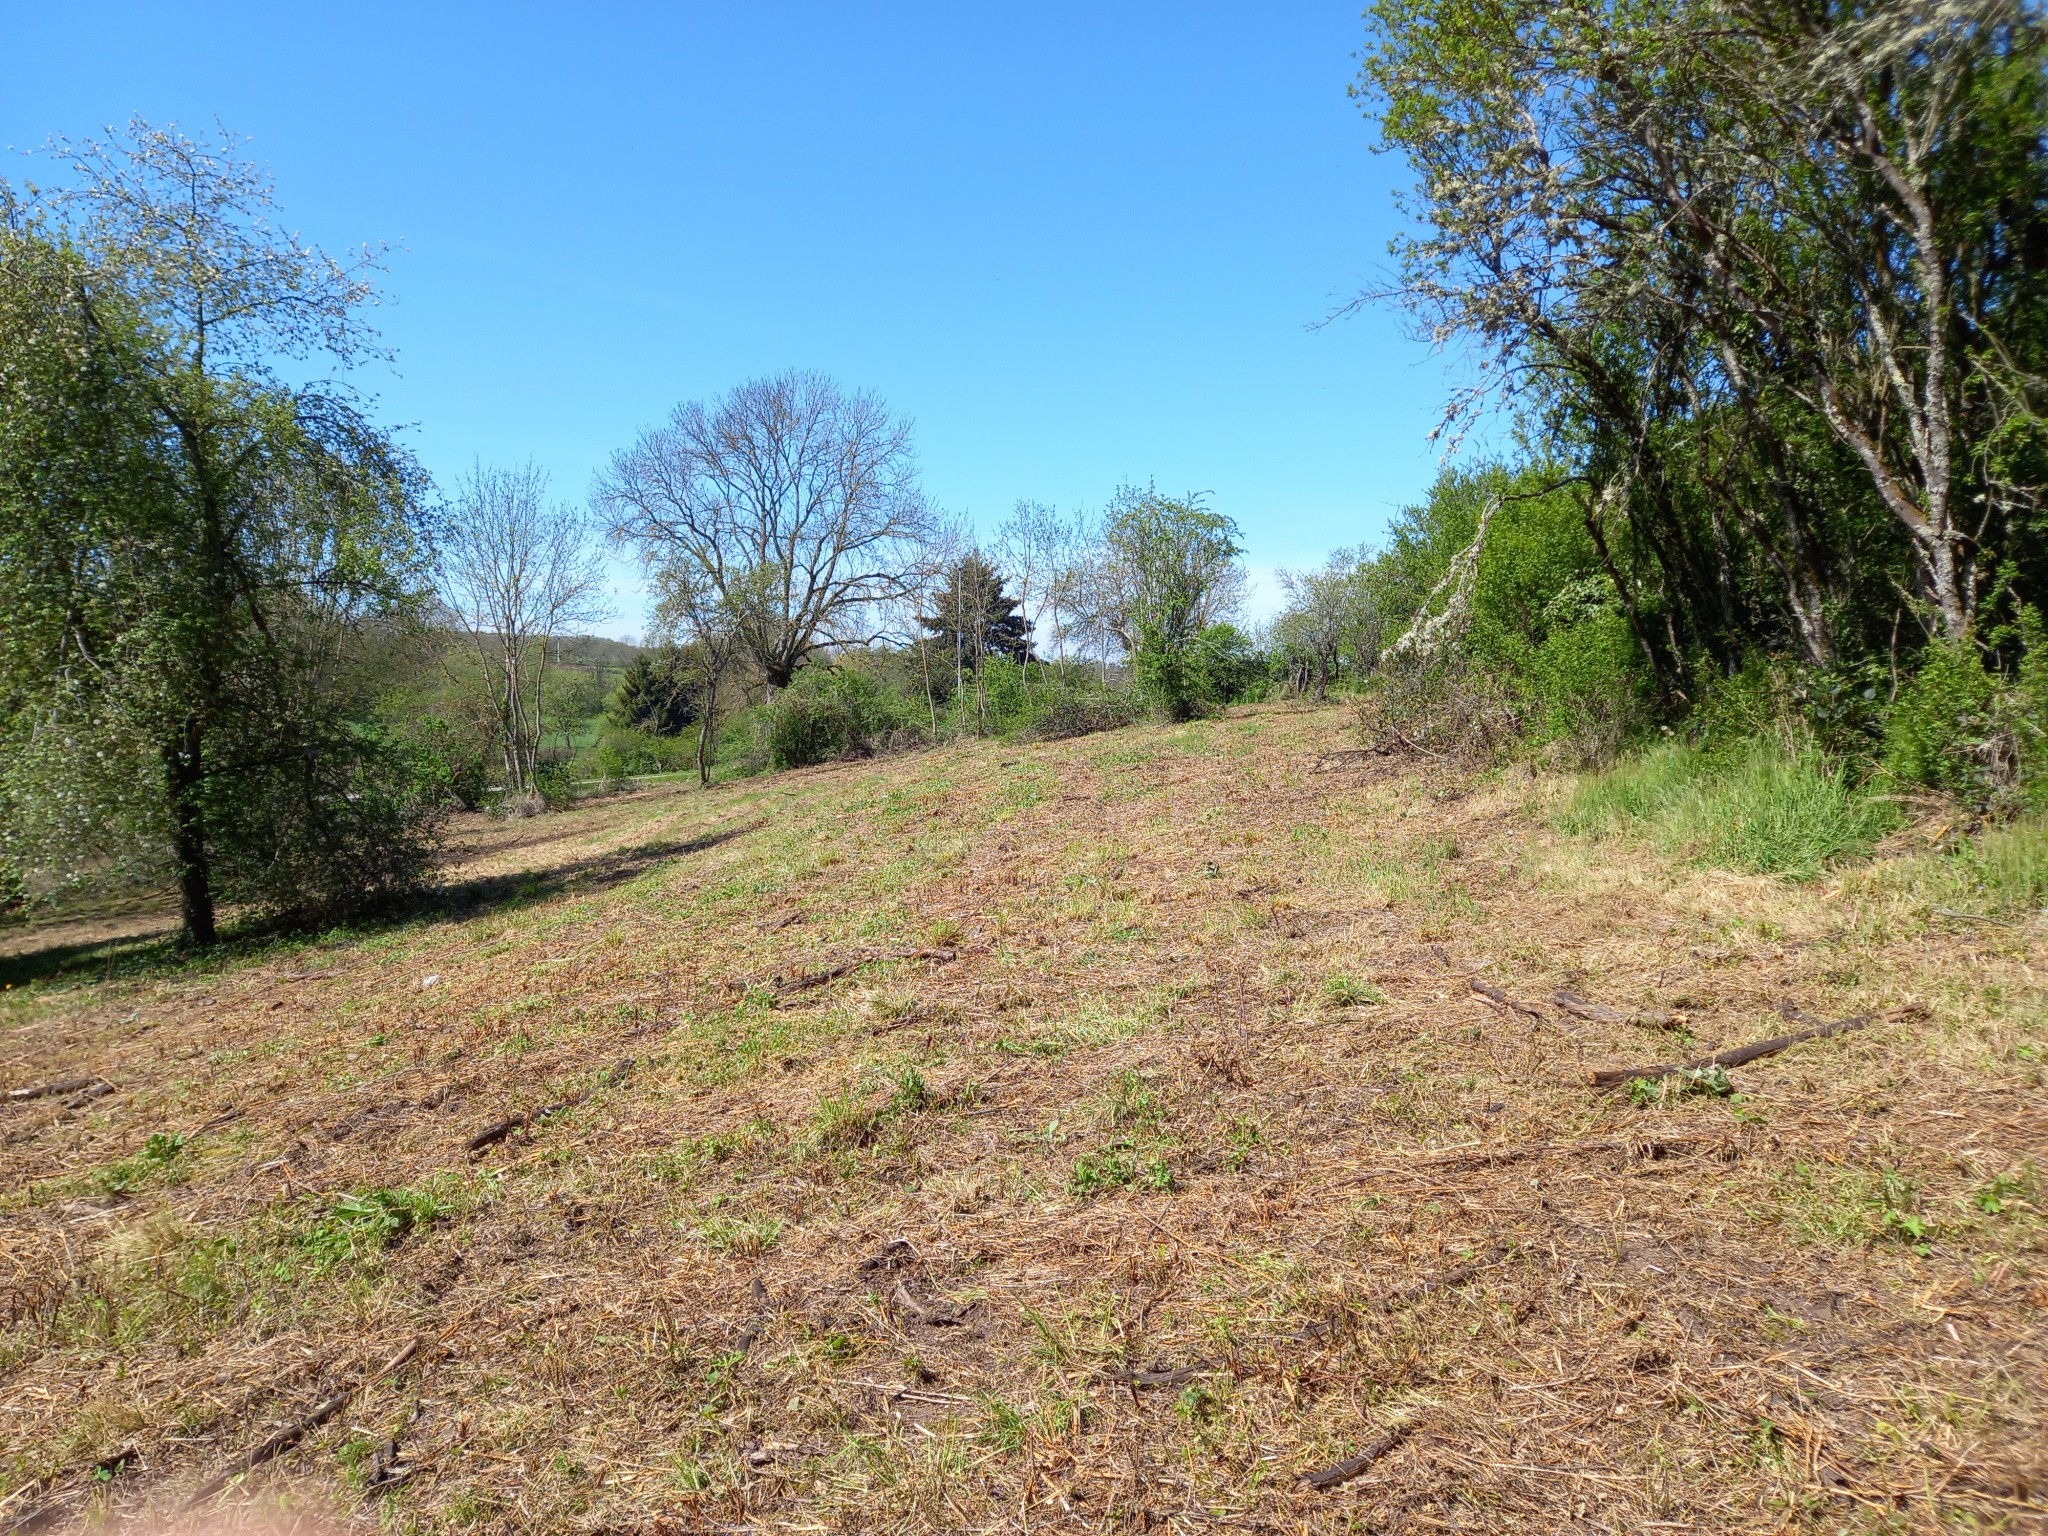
x=1102, y=1135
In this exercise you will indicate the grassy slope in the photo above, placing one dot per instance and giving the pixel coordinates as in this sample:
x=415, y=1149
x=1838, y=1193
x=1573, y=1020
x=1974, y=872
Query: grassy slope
x=1204, y=1086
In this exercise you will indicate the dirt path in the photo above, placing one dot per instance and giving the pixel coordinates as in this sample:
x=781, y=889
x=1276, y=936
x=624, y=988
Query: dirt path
x=1099, y=1135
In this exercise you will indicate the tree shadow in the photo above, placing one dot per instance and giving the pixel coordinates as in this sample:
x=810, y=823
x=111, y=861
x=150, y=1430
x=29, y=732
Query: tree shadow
x=462, y=900
x=158, y=948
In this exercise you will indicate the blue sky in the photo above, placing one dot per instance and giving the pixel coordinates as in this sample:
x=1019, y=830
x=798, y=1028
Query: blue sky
x=1078, y=244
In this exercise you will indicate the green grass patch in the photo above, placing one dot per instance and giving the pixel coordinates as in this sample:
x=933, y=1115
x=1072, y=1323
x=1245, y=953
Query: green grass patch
x=1766, y=811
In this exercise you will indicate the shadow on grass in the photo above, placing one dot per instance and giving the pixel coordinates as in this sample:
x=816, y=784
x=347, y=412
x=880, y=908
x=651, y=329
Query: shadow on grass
x=159, y=951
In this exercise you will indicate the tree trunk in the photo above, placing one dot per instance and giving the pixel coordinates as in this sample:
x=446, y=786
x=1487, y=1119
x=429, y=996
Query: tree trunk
x=184, y=768
x=704, y=732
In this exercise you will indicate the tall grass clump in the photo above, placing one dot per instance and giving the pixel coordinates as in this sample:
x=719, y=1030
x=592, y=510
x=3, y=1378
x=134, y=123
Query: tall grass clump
x=2002, y=873
x=1767, y=809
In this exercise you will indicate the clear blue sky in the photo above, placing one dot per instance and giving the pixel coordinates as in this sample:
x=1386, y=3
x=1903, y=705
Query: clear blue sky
x=1079, y=244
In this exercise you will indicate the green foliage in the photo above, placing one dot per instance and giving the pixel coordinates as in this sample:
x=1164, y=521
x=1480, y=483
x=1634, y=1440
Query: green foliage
x=1171, y=571
x=1693, y=1082
x=355, y=1228
x=830, y=713
x=194, y=557
x=161, y=1160
x=1120, y=1165
x=973, y=617
x=1350, y=992
x=1962, y=728
x=1760, y=809
x=554, y=782
x=657, y=694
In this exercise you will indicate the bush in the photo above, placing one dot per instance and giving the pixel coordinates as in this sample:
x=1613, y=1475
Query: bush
x=1966, y=731
x=1764, y=811
x=1449, y=708
x=834, y=712
x=555, y=783
x=1060, y=713
x=447, y=769
x=621, y=753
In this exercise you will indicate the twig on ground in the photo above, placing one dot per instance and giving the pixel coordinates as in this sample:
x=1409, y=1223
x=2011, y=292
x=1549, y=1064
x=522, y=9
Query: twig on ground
x=293, y=1433
x=804, y=982
x=1500, y=999
x=1344, y=1471
x=1163, y=1376
x=498, y=1130
x=1735, y=1056
x=48, y=1090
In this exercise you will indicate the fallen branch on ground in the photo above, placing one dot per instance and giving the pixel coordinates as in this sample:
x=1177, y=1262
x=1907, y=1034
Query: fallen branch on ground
x=48, y=1090
x=293, y=1433
x=1600, y=1013
x=1500, y=999
x=498, y=1130
x=1344, y=1471
x=1445, y=1281
x=1736, y=1056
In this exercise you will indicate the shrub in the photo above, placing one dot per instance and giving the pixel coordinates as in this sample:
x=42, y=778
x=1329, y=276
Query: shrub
x=556, y=785
x=1059, y=713
x=1962, y=729
x=833, y=712
x=342, y=831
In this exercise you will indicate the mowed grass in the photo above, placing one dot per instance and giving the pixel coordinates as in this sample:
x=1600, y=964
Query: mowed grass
x=1096, y=1135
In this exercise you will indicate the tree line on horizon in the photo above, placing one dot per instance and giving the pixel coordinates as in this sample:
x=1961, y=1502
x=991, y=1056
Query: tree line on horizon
x=1759, y=289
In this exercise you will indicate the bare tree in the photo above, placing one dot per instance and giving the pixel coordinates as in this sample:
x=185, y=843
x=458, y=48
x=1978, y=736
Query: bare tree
x=1332, y=616
x=794, y=503
x=515, y=571
x=1032, y=542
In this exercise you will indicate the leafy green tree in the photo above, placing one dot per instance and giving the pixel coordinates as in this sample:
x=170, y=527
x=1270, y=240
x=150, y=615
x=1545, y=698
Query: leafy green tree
x=190, y=548
x=1759, y=270
x=1167, y=569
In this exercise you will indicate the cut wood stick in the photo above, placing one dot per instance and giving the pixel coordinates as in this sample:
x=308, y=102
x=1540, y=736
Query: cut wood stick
x=493, y=1133
x=1449, y=1279
x=498, y=1130
x=1600, y=1013
x=1500, y=999
x=1735, y=1056
x=46, y=1090
x=293, y=1433
x=1344, y=1471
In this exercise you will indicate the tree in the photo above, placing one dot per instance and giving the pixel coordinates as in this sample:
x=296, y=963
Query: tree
x=655, y=694
x=1165, y=571
x=1037, y=545
x=189, y=546
x=1332, y=617
x=790, y=504
x=515, y=572
x=1763, y=268
x=691, y=614
x=972, y=615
